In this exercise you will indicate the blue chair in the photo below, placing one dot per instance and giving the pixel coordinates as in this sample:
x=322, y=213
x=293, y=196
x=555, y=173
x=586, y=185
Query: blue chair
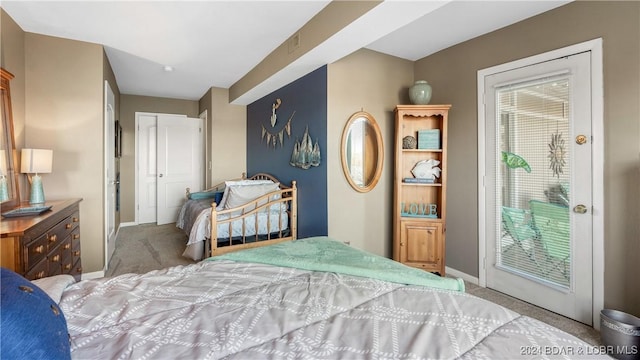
x=551, y=223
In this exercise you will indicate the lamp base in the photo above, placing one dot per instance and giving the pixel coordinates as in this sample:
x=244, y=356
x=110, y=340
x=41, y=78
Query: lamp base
x=4, y=189
x=37, y=192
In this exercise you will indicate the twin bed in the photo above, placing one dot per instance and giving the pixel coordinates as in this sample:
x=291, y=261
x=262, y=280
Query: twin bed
x=312, y=298
x=238, y=214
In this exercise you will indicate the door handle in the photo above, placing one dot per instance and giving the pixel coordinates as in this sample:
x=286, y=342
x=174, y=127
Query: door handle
x=160, y=175
x=580, y=209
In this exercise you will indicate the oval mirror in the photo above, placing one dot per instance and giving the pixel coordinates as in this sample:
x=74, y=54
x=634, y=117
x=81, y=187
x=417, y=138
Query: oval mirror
x=362, y=151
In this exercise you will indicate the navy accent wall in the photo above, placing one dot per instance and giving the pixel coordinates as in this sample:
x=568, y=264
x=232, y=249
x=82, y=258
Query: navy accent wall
x=306, y=96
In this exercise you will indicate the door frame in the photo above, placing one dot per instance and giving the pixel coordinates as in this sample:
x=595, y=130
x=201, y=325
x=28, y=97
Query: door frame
x=597, y=179
x=109, y=156
x=137, y=152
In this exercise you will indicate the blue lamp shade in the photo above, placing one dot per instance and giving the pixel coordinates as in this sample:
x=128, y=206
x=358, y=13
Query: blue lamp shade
x=36, y=161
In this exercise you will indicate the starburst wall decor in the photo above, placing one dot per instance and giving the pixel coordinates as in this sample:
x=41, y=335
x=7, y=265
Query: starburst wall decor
x=556, y=154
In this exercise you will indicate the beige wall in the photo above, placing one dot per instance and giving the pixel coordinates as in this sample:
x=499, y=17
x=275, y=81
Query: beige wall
x=12, y=60
x=227, y=137
x=129, y=105
x=452, y=73
x=64, y=112
x=376, y=83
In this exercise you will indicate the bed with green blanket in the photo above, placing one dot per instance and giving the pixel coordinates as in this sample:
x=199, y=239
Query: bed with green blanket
x=312, y=298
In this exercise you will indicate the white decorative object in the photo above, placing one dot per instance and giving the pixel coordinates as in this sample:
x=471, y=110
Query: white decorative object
x=426, y=169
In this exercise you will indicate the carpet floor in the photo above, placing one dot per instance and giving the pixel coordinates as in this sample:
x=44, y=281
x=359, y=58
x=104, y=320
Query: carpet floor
x=147, y=247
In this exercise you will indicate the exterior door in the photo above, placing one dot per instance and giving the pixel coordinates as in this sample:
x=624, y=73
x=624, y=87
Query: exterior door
x=537, y=185
x=110, y=173
x=180, y=163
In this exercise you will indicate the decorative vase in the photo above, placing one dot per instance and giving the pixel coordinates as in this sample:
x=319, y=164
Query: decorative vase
x=420, y=93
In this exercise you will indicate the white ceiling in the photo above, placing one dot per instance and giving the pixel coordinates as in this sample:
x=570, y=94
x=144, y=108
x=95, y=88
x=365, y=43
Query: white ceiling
x=215, y=43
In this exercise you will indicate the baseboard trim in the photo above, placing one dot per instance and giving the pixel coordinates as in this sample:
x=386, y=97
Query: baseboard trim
x=128, y=224
x=92, y=275
x=464, y=276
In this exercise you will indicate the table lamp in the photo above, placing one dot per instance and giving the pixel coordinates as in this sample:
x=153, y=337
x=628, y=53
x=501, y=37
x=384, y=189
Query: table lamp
x=36, y=161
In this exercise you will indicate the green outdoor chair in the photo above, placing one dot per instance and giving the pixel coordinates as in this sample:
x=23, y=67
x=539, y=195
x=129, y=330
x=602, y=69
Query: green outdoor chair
x=517, y=224
x=551, y=223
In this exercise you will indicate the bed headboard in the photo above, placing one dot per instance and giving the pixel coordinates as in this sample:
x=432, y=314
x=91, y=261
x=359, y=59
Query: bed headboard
x=264, y=176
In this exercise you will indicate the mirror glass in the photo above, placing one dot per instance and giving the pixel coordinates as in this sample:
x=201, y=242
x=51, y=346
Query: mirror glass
x=9, y=192
x=362, y=151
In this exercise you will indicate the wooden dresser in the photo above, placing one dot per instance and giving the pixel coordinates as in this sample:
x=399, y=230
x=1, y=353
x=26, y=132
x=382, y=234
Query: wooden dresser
x=43, y=245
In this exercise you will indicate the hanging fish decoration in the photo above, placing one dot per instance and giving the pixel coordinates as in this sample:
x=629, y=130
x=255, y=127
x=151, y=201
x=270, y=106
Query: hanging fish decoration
x=514, y=161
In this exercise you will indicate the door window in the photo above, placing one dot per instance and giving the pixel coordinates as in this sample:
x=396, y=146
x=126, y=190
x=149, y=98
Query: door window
x=533, y=176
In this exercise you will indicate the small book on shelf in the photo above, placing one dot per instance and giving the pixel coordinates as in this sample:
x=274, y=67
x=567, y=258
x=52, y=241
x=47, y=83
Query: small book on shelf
x=418, y=180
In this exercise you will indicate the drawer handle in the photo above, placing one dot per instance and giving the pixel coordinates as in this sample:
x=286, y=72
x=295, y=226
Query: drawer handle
x=39, y=249
x=67, y=267
x=66, y=246
x=75, y=219
x=76, y=236
x=68, y=226
x=40, y=275
x=53, y=238
x=76, y=253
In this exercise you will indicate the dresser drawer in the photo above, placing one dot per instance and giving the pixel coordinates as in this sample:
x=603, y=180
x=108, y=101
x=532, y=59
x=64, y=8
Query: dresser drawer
x=75, y=244
x=60, y=232
x=39, y=271
x=67, y=263
x=36, y=251
x=55, y=258
x=77, y=269
x=46, y=244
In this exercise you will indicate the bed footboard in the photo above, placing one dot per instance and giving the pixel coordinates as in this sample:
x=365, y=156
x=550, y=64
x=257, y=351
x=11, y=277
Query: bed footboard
x=280, y=208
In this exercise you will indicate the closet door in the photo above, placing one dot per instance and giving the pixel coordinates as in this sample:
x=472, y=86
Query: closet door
x=180, y=159
x=169, y=158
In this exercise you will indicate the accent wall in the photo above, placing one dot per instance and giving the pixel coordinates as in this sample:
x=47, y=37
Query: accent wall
x=302, y=107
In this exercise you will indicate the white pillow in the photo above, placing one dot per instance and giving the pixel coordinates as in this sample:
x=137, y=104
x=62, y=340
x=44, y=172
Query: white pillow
x=229, y=183
x=242, y=194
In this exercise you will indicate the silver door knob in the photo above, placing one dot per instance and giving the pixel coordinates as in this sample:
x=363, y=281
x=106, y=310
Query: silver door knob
x=580, y=209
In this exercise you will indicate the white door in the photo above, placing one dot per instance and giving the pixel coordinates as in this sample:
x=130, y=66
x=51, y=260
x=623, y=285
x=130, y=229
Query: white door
x=180, y=163
x=176, y=145
x=147, y=168
x=537, y=185
x=110, y=173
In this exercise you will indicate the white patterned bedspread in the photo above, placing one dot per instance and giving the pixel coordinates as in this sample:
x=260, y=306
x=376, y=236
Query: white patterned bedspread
x=224, y=309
